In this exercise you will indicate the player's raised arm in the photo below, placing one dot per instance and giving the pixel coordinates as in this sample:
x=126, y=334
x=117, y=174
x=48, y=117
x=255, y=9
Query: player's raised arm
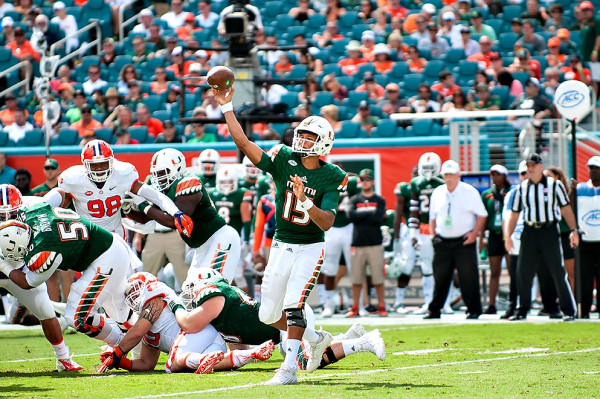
x=250, y=149
x=58, y=197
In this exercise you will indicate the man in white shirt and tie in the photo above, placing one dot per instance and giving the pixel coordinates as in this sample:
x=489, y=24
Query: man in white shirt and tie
x=456, y=216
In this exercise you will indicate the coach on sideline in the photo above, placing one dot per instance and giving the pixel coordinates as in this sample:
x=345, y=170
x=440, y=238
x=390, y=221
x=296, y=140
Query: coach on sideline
x=588, y=212
x=542, y=200
x=457, y=216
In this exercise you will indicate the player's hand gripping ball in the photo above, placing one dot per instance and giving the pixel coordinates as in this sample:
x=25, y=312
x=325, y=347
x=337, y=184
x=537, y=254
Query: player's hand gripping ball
x=220, y=78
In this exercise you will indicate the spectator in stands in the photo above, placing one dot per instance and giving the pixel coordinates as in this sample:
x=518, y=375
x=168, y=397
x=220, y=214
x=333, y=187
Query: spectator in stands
x=302, y=12
x=368, y=45
x=5, y=7
x=533, y=99
x=159, y=84
x=31, y=15
x=217, y=57
x=470, y=46
x=284, y=65
x=463, y=10
x=516, y=26
x=422, y=31
x=156, y=37
x=484, y=101
x=330, y=34
x=201, y=63
x=74, y=112
x=576, y=71
x=410, y=22
x=87, y=124
x=334, y=10
x=479, y=28
x=446, y=86
x=67, y=24
x=127, y=73
x=94, y=80
x=350, y=65
x=496, y=65
x=416, y=63
x=23, y=6
x=365, y=118
x=169, y=135
x=140, y=53
x=172, y=98
x=483, y=57
x=505, y=78
x=22, y=49
x=437, y=46
x=186, y=32
x=271, y=93
x=448, y=27
x=167, y=52
x=175, y=17
x=63, y=76
x=66, y=94
x=565, y=41
x=199, y=134
x=271, y=56
x=395, y=9
x=7, y=115
x=41, y=34
x=396, y=25
x=578, y=15
x=7, y=174
x=108, y=52
x=135, y=95
x=8, y=29
x=556, y=21
x=482, y=77
x=530, y=39
x=124, y=137
x=210, y=104
x=99, y=102
x=422, y=102
x=458, y=103
x=331, y=113
x=121, y=117
x=534, y=11
x=554, y=56
x=397, y=47
x=551, y=80
x=23, y=181
x=206, y=18
x=177, y=59
x=380, y=26
x=330, y=83
x=374, y=91
x=382, y=58
x=142, y=114
x=259, y=38
x=17, y=130
x=367, y=11
x=113, y=99
x=392, y=103
x=145, y=21
x=523, y=63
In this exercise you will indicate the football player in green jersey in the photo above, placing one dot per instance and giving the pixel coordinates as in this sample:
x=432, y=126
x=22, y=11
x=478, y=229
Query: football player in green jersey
x=215, y=244
x=235, y=206
x=337, y=243
x=209, y=161
x=61, y=239
x=307, y=194
x=420, y=246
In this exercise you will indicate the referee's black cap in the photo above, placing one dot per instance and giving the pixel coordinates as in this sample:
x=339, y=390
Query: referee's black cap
x=533, y=158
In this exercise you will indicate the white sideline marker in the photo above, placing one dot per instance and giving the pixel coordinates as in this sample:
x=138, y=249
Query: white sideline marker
x=522, y=350
x=46, y=358
x=323, y=376
x=423, y=351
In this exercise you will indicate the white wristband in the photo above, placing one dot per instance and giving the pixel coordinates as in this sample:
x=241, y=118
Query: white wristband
x=226, y=107
x=413, y=233
x=306, y=204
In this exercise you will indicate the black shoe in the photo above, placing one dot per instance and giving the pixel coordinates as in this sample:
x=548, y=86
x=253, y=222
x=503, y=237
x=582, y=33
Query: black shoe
x=585, y=316
x=543, y=312
x=371, y=308
x=474, y=316
x=518, y=317
x=490, y=310
x=555, y=315
x=569, y=318
x=432, y=315
x=509, y=313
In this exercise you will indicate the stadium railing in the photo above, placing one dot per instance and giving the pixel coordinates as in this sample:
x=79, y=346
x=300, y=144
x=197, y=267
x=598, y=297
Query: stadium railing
x=25, y=82
x=84, y=47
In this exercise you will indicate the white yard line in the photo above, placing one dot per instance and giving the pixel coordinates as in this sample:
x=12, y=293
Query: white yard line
x=45, y=358
x=423, y=351
x=322, y=376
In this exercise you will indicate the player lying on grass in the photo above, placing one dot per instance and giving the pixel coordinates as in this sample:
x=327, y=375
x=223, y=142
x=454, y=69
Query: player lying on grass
x=235, y=315
x=202, y=352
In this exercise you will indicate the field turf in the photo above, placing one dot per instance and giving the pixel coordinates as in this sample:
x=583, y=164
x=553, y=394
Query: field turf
x=468, y=360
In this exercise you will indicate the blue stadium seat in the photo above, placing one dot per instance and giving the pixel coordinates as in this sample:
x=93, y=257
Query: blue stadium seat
x=387, y=128
x=5, y=141
x=316, y=22
x=351, y=130
x=105, y=134
x=322, y=98
x=332, y=68
x=511, y=11
x=297, y=71
x=153, y=102
x=410, y=84
x=291, y=99
x=347, y=21
x=354, y=99
x=139, y=133
x=363, y=68
x=432, y=71
x=66, y=137
x=423, y=127
x=32, y=138
x=398, y=71
x=465, y=73
x=506, y=42
x=271, y=10
x=162, y=115
x=453, y=57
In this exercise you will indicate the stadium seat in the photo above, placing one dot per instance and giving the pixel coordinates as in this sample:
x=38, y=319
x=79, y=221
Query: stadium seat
x=105, y=134
x=347, y=81
x=298, y=71
x=357, y=31
x=5, y=141
x=503, y=93
x=271, y=10
x=100, y=10
x=162, y=115
x=453, y=57
x=291, y=99
x=338, y=48
x=381, y=80
x=410, y=84
x=32, y=138
x=510, y=12
x=153, y=102
x=423, y=127
x=332, y=68
x=363, y=68
x=398, y=71
x=432, y=71
x=316, y=23
x=506, y=42
x=7, y=59
x=99, y=116
x=139, y=133
x=66, y=137
x=351, y=130
x=386, y=128
x=347, y=21
x=521, y=77
x=282, y=23
x=354, y=99
x=465, y=73
x=322, y=98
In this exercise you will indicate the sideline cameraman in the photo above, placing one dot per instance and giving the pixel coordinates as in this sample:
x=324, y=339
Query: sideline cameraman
x=254, y=20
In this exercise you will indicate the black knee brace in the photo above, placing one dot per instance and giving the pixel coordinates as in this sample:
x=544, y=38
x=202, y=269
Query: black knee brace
x=331, y=358
x=295, y=317
x=403, y=280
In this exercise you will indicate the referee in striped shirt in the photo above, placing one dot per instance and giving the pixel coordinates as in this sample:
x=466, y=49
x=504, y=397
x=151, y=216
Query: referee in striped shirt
x=543, y=200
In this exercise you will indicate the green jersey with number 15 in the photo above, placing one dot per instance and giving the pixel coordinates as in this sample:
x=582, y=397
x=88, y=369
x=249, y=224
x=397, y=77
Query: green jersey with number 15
x=323, y=186
x=421, y=190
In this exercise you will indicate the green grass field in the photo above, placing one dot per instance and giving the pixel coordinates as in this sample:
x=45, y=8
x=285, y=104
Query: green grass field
x=470, y=360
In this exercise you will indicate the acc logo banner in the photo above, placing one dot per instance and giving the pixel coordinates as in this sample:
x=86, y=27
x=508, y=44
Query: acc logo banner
x=43, y=261
x=570, y=99
x=592, y=218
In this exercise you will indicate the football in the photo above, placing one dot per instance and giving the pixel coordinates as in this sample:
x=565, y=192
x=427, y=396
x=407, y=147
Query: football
x=220, y=78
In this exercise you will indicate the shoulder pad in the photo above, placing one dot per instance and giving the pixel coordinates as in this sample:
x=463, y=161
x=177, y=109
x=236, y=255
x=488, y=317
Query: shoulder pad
x=344, y=184
x=188, y=185
x=72, y=176
x=43, y=261
x=206, y=290
x=247, y=195
x=272, y=153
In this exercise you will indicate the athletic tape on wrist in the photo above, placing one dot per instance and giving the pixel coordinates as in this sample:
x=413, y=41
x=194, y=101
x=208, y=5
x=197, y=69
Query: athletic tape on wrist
x=306, y=204
x=226, y=107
